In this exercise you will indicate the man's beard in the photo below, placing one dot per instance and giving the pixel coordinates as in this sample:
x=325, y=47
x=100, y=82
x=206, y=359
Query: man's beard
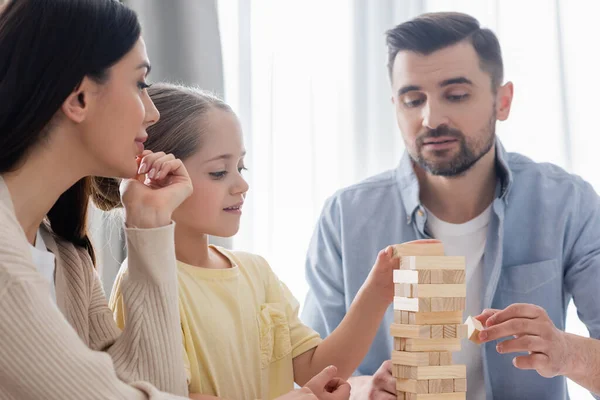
x=467, y=156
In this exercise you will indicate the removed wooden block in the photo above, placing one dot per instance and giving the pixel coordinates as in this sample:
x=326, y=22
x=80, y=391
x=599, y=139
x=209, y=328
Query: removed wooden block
x=432, y=262
x=435, y=386
x=408, y=276
x=418, y=249
x=447, y=304
x=410, y=331
x=446, y=358
x=437, y=331
x=436, y=290
x=435, y=318
x=421, y=304
x=445, y=345
x=473, y=327
x=448, y=385
x=433, y=372
x=460, y=385
x=412, y=358
x=412, y=385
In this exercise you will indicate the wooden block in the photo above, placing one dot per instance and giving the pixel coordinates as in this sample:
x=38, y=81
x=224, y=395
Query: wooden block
x=405, y=318
x=434, y=358
x=473, y=329
x=417, y=304
x=438, y=290
x=411, y=358
x=403, y=289
x=453, y=276
x=435, y=386
x=450, y=331
x=444, y=345
x=435, y=396
x=437, y=277
x=460, y=385
x=432, y=262
x=433, y=372
x=399, y=344
x=462, y=331
x=418, y=249
x=445, y=358
x=400, y=396
x=410, y=331
x=435, y=318
x=448, y=385
x=437, y=331
x=407, y=276
x=412, y=385
x=447, y=304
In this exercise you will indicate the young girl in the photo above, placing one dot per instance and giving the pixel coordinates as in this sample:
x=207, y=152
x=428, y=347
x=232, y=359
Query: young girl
x=242, y=334
x=73, y=105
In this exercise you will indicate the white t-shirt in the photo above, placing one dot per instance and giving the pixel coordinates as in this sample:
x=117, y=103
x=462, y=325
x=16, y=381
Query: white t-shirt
x=467, y=240
x=44, y=261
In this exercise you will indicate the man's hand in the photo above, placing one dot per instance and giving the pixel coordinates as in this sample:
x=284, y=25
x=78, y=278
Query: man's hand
x=381, y=386
x=532, y=331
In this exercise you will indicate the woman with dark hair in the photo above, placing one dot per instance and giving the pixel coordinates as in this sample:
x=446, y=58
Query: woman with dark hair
x=73, y=105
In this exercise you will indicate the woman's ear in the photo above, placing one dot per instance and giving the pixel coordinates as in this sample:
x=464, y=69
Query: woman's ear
x=76, y=106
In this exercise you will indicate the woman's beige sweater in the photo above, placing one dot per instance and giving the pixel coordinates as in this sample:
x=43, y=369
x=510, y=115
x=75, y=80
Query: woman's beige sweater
x=73, y=349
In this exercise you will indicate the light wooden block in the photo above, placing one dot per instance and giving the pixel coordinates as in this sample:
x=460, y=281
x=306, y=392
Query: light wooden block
x=418, y=249
x=432, y=262
x=446, y=358
x=437, y=290
x=434, y=357
x=399, y=344
x=450, y=331
x=460, y=385
x=453, y=276
x=410, y=331
x=448, y=385
x=400, y=396
x=473, y=329
x=422, y=304
x=462, y=330
x=435, y=386
x=435, y=396
x=435, y=318
x=411, y=358
x=408, y=276
x=445, y=345
x=433, y=372
x=447, y=304
x=404, y=318
x=412, y=385
x=437, y=331
x=403, y=289
x=437, y=277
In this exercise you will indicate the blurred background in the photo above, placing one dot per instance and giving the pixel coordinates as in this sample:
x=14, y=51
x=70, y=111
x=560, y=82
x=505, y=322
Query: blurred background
x=309, y=84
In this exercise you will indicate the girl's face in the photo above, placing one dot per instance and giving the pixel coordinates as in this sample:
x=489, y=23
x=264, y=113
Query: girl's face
x=215, y=207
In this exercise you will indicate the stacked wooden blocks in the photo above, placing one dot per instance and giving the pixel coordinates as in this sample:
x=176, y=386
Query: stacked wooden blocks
x=429, y=301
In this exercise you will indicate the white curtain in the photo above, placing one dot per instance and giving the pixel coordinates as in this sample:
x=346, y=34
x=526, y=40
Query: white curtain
x=309, y=82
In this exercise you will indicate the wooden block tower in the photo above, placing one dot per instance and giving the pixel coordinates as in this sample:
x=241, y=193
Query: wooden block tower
x=429, y=300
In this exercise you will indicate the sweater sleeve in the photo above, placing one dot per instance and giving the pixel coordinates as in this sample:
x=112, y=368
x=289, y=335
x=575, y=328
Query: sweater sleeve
x=41, y=356
x=150, y=346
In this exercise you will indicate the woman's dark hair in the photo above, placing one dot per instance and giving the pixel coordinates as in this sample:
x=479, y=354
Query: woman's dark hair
x=47, y=47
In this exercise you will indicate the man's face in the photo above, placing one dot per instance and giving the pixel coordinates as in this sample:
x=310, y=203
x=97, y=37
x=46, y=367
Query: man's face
x=446, y=108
